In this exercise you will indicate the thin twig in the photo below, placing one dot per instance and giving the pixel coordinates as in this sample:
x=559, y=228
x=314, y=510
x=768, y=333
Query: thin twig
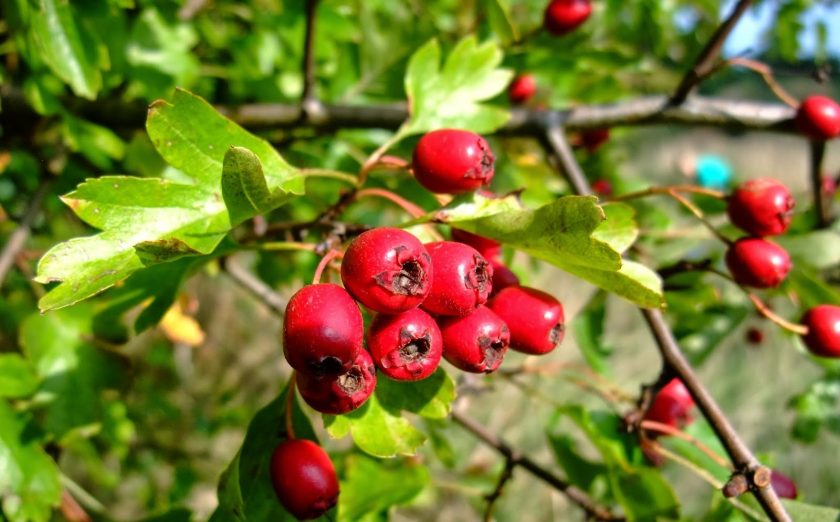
x=254, y=285
x=18, y=238
x=413, y=210
x=650, y=191
x=821, y=206
x=310, y=105
x=706, y=61
x=764, y=310
x=505, y=476
x=650, y=425
x=574, y=494
x=675, y=362
x=767, y=75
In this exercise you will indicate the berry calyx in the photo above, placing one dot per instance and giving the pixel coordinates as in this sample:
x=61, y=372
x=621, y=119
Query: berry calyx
x=489, y=248
x=818, y=117
x=341, y=393
x=387, y=269
x=475, y=343
x=323, y=330
x=522, y=89
x=757, y=262
x=452, y=161
x=671, y=405
x=783, y=485
x=823, y=337
x=564, y=16
x=304, y=478
x=761, y=207
x=535, y=318
x=406, y=346
x=463, y=279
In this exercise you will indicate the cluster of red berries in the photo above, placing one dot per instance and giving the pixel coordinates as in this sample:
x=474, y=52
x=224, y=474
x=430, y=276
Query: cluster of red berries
x=430, y=302
x=762, y=207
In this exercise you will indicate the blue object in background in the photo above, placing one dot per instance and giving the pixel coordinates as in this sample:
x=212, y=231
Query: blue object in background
x=713, y=172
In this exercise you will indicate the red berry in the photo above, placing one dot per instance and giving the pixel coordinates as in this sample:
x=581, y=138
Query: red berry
x=757, y=262
x=342, y=393
x=452, y=161
x=503, y=277
x=783, y=485
x=672, y=405
x=406, y=346
x=761, y=207
x=564, y=16
x=522, y=88
x=823, y=337
x=323, y=330
x=829, y=186
x=535, y=318
x=304, y=478
x=489, y=248
x=593, y=139
x=818, y=118
x=602, y=187
x=387, y=269
x=475, y=343
x=463, y=279
x=755, y=336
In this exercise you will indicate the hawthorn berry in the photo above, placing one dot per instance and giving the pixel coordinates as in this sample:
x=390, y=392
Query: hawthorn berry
x=387, y=269
x=564, y=16
x=602, y=187
x=783, y=485
x=340, y=393
x=406, y=346
x=522, y=89
x=754, y=336
x=671, y=405
x=304, y=478
x=452, y=161
x=818, y=117
x=323, y=330
x=503, y=277
x=757, y=262
x=476, y=342
x=535, y=318
x=823, y=337
x=463, y=279
x=593, y=139
x=489, y=248
x=761, y=207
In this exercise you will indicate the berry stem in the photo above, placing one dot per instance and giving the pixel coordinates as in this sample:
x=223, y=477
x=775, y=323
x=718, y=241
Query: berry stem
x=329, y=256
x=698, y=214
x=274, y=246
x=412, y=209
x=374, y=159
x=290, y=406
x=650, y=425
x=771, y=315
x=767, y=74
x=331, y=174
x=651, y=191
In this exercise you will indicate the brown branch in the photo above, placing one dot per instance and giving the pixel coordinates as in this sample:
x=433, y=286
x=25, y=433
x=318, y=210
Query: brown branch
x=310, y=104
x=676, y=363
x=492, y=498
x=254, y=285
x=18, y=238
x=573, y=493
x=707, y=60
x=821, y=202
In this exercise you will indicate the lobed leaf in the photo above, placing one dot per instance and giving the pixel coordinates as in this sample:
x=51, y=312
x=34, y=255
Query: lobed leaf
x=372, y=486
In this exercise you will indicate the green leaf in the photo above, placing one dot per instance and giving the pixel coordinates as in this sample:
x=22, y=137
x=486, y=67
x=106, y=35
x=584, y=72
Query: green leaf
x=816, y=409
x=802, y=512
x=66, y=47
x=373, y=486
x=245, y=491
x=29, y=483
x=17, y=378
x=430, y=398
x=146, y=221
x=72, y=370
x=619, y=229
x=376, y=430
x=567, y=233
x=450, y=96
x=98, y=144
x=579, y=470
x=645, y=495
x=244, y=188
x=588, y=327
x=498, y=16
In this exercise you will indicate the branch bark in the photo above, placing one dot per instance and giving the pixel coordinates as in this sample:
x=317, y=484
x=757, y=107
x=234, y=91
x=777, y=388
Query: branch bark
x=706, y=61
x=821, y=202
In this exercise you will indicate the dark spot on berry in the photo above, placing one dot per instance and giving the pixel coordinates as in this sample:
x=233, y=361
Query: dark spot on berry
x=484, y=169
x=327, y=366
x=493, y=350
x=352, y=382
x=410, y=279
x=556, y=333
x=416, y=349
x=478, y=279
